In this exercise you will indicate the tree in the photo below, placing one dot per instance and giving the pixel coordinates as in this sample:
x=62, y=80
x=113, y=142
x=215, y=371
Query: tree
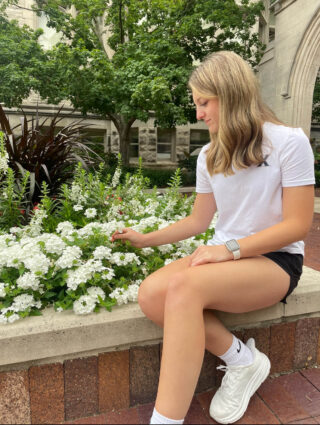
x=17, y=71
x=123, y=59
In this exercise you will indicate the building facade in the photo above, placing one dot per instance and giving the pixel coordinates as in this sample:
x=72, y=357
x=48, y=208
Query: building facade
x=287, y=74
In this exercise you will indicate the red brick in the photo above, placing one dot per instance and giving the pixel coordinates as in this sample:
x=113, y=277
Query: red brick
x=304, y=421
x=205, y=400
x=258, y=413
x=306, y=342
x=196, y=414
x=47, y=394
x=312, y=247
x=128, y=416
x=282, y=343
x=145, y=413
x=114, y=381
x=283, y=404
x=208, y=372
x=303, y=391
x=14, y=398
x=92, y=420
x=144, y=374
x=312, y=375
x=81, y=387
x=261, y=337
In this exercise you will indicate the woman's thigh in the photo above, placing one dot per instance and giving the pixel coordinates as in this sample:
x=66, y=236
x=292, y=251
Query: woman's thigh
x=232, y=286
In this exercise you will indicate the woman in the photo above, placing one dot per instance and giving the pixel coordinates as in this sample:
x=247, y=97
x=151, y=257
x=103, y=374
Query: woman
x=258, y=174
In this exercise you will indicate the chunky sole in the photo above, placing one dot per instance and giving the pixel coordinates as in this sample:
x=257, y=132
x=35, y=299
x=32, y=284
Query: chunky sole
x=256, y=380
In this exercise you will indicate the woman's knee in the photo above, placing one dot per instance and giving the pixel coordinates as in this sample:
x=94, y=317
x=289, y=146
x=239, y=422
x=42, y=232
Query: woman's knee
x=181, y=291
x=150, y=298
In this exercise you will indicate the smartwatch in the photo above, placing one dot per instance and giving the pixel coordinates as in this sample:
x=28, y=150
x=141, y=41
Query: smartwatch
x=233, y=247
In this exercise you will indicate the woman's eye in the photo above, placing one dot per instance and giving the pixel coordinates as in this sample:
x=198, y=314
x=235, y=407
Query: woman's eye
x=203, y=104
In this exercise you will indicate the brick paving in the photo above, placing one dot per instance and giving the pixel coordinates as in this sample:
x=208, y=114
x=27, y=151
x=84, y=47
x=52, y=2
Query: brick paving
x=292, y=398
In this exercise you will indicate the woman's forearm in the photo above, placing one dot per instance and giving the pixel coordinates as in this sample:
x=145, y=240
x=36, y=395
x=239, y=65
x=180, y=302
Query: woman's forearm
x=175, y=232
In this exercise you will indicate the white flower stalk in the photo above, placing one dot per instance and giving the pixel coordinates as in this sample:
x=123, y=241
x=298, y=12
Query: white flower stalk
x=4, y=157
x=101, y=252
x=78, y=207
x=123, y=296
x=2, y=290
x=116, y=178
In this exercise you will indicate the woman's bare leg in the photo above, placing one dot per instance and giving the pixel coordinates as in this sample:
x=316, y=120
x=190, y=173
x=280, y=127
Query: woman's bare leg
x=239, y=286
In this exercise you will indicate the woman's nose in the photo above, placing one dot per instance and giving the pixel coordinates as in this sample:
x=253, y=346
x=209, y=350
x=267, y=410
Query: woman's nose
x=200, y=114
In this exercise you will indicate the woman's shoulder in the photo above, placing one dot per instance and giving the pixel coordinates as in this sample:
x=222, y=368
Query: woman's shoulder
x=281, y=135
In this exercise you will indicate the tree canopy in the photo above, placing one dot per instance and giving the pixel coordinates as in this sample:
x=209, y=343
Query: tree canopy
x=125, y=59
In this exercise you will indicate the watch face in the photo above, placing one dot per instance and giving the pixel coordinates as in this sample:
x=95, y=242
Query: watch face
x=232, y=245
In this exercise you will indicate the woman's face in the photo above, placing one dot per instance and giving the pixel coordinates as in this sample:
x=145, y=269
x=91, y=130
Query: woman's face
x=208, y=111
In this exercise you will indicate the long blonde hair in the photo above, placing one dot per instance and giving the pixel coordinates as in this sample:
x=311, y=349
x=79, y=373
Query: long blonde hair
x=238, y=142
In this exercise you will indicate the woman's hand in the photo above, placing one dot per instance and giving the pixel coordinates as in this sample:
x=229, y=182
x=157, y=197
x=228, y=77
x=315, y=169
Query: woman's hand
x=135, y=238
x=210, y=254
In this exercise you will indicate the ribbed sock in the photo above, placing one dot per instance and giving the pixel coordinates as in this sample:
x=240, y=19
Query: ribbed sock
x=157, y=418
x=238, y=354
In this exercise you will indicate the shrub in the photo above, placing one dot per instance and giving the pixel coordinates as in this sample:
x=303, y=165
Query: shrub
x=45, y=152
x=65, y=258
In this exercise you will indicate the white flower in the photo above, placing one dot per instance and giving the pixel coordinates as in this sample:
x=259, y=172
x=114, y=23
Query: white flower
x=78, y=207
x=168, y=261
x=53, y=243
x=13, y=317
x=84, y=305
x=83, y=273
x=65, y=228
x=147, y=251
x=101, y=252
x=124, y=258
x=122, y=296
x=95, y=291
x=69, y=257
x=109, y=275
x=23, y=302
x=28, y=280
x=90, y=212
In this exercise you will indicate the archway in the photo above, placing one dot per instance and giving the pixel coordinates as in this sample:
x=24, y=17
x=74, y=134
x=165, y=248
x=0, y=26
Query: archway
x=303, y=74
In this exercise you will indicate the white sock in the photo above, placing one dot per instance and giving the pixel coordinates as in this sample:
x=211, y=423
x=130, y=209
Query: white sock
x=238, y=354
x=157, y=418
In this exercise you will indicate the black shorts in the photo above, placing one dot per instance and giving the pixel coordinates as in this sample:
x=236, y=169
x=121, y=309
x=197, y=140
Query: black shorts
x=290, y=263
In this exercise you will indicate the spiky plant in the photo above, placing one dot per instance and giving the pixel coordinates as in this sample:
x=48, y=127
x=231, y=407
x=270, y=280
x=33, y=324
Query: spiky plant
x=45, y=150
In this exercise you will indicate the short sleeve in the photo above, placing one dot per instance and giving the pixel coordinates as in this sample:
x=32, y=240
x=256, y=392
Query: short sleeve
x=297, y=160
x=203, y=183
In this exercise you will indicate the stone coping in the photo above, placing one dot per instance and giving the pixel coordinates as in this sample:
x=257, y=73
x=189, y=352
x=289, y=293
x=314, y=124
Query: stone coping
x=59, y=336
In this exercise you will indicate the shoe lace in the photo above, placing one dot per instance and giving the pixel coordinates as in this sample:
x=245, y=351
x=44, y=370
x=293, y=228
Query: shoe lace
x=228, y=388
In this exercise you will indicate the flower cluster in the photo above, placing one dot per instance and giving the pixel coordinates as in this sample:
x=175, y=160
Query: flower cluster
x=65, y=257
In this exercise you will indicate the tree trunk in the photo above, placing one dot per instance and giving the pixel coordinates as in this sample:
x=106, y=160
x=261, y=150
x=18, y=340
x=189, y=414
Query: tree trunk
x=123, y=126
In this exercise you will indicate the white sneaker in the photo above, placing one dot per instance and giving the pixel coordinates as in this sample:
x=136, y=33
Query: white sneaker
x=238, y=385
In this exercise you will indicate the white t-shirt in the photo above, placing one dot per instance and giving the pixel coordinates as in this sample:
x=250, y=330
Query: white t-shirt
x=251, y=199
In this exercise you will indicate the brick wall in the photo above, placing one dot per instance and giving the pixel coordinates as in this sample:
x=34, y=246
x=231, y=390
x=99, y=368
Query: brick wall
x=53, y=393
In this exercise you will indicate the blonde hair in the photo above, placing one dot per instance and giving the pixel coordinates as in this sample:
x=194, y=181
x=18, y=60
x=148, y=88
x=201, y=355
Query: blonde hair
x=238, y=142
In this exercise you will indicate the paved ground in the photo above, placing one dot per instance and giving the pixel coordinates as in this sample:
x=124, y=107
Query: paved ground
x=286, y=399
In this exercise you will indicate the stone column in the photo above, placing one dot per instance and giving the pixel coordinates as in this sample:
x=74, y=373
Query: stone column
x=148, y=144
x=182, y=142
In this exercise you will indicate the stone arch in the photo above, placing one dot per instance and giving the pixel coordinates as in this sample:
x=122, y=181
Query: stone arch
x=303, y=74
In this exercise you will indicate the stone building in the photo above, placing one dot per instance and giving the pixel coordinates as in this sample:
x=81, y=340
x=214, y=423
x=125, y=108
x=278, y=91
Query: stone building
x=287, y=74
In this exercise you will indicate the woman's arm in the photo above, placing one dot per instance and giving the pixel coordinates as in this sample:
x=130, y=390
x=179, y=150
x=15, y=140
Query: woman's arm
x=297, y=208
x=204, y=208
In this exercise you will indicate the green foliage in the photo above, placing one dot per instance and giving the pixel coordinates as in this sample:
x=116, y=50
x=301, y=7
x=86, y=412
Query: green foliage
x=45, y=151
x=20, y=56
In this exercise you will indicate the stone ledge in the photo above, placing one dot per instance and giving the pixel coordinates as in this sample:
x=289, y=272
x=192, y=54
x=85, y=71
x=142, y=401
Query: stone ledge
x=65, y=335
